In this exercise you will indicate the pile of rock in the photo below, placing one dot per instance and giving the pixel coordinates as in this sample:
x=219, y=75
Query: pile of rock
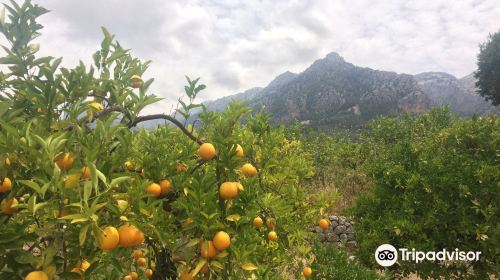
x=340, y=232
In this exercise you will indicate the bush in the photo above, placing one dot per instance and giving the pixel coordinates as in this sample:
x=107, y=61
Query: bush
x=338, y=163
x=72, y=159
x=334, y=264
x=436, y=181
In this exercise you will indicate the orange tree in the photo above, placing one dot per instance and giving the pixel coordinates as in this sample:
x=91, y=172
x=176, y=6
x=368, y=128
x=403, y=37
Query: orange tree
x=85, y=195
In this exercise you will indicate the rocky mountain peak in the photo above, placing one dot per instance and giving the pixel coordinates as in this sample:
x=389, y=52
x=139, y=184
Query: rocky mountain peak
x=282, y=79
x=334, y=57
x=434, y=76
x=335, y=93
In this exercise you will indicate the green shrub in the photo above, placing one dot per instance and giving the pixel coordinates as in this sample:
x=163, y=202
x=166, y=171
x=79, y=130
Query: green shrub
x=334, y=264
x=436, y=182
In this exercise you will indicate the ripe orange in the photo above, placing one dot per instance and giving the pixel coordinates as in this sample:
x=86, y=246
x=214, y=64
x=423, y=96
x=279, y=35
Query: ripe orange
x=97, y=106
x=307, y=272
x=85, y=265
x=207, y=249
x=80, y=268
x=128, y=277
x=257, y=222
x=153, y=189
x=134, y=275
x=323, y=224
x=148, y=273
x=86, y=173
x=65, y=161
x=228, y=190
x=142, y=262
x=222, y=241
x=206, y=151
x=164, y=185
x=37, y=275
x=6, y=185
x=72, y=180
x=109, y=239
x=248, y=170
x=272, y=235
x=7, y=206
x=139, y=238
x=137, y=254
x=239, y=151
x=130, y=236
x=181, y=167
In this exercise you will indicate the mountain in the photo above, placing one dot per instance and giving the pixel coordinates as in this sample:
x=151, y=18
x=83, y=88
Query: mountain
x=221, y=103
x=459, y=94
x=335, y=93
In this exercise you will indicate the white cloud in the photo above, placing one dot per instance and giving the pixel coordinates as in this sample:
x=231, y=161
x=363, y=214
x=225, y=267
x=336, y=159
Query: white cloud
x=235, y=44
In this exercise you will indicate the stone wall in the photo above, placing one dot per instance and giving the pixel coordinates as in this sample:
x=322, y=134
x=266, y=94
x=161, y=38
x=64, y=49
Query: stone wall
x=340, y=232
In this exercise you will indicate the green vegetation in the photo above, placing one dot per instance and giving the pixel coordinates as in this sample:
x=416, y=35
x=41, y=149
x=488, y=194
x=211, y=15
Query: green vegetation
x=488, y=72
x=435, y=185
x=334, y=264
x=427, y=182
x=84, y=195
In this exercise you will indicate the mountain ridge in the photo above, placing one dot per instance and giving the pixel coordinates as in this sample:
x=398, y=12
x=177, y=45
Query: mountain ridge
x=333, y=92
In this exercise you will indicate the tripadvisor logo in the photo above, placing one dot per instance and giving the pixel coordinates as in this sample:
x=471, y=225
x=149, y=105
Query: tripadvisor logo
x=387, y=255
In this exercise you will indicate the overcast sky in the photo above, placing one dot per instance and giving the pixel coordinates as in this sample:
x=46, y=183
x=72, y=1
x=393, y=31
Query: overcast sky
x=235, y=45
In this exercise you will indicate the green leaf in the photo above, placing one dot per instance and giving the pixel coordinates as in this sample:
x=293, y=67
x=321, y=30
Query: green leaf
x=87, y=191
x=117, y=181
x=198, y=267
x=32, y=185
x=83, y=234
x=249, y=266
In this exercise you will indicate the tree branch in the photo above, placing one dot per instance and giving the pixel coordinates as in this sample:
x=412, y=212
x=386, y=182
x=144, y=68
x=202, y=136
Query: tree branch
x=168, y=118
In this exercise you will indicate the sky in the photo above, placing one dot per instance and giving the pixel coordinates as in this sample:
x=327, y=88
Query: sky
x=235, y=45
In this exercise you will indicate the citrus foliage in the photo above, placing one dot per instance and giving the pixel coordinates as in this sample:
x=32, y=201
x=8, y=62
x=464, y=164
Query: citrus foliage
x=436, y=181
x=84, y=195
x=334, y=264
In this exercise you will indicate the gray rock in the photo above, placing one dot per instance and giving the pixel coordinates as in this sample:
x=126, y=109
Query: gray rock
x=339, y=230
x=349, y=229
x=342, y=220
x=333, y=218
x=343, y=237
x=351, y=245
x=333, y=225
x=331, y=237
x=351, y=236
